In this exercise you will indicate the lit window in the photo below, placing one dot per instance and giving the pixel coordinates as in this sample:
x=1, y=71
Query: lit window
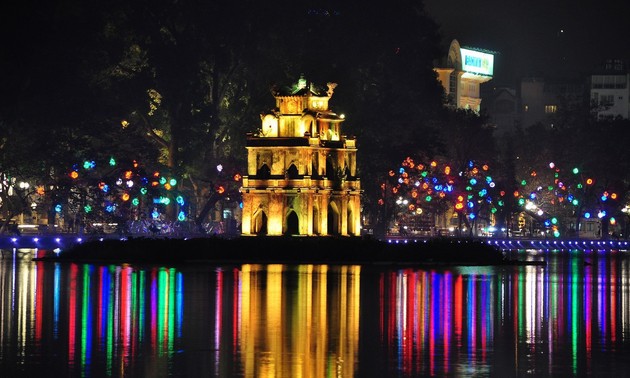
x=551, y=109
x=607, y=100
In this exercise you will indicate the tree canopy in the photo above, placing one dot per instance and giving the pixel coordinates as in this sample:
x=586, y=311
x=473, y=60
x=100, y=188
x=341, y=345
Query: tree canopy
x=178, y=84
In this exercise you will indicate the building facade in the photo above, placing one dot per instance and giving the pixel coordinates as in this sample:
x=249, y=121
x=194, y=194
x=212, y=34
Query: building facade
x=301, y=169
x=541, y=99
x=609, y=90
x=462, y=72
x=501, y=105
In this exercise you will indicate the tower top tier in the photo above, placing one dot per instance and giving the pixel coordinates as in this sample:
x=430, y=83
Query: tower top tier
x=302, y=112
x=302, y=96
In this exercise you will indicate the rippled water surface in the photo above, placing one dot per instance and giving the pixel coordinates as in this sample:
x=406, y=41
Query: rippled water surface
x=568, y=315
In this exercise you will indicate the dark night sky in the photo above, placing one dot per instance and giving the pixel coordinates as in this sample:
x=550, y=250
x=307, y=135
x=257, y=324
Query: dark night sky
x=537, y=38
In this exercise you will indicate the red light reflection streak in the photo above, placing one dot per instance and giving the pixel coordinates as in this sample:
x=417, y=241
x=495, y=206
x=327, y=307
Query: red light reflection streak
x=613, y=300
x=409, y=320
x=39, y=300
x=218, y=320
x=422, y=315
x=484, y=315
x=72, y=312
x=588, y=304
x=236, y=305
x=458, y=309
x=381, y=306
x=601, y=298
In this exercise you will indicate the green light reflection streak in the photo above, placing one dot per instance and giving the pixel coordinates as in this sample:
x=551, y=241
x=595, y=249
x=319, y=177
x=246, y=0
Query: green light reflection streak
x=110, y=320
x=574, y=314
x=85, y=312
x=141, y=303
x=521, y=303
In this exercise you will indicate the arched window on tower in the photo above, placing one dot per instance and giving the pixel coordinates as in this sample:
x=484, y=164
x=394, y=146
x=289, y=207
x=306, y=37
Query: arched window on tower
x=333, y=219
x=293, y=224
x=292, y=172
x=330, y=169
x=259, y=223
x=263, y=172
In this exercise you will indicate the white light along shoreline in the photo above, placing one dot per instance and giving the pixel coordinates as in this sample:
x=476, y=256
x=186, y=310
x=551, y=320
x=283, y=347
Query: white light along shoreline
x=64, y=241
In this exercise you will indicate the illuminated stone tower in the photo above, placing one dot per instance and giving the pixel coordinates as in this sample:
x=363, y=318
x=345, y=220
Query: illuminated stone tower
x=301, y=171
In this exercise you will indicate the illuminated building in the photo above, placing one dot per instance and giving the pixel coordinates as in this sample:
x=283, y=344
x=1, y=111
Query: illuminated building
x=464, y=69
x=610, y=90
x=301, y=170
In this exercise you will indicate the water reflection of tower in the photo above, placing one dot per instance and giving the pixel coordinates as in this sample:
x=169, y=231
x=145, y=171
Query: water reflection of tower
x=308, y=329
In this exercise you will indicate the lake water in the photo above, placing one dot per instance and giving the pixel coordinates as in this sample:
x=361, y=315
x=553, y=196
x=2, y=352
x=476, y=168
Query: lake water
x=569, y=316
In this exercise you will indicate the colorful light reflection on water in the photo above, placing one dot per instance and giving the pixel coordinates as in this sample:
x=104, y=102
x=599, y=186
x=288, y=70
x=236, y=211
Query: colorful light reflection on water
x=569, y=316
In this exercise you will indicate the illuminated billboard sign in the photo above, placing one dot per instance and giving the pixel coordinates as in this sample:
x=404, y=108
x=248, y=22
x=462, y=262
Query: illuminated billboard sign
x=477, y=62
